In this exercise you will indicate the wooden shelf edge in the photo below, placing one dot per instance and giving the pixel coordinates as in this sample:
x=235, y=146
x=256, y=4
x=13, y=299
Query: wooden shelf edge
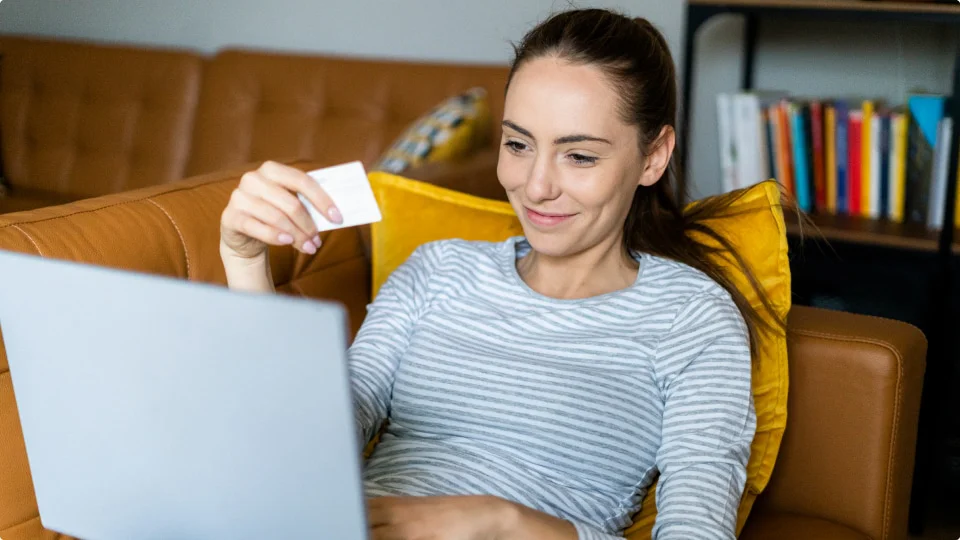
x=864, y=231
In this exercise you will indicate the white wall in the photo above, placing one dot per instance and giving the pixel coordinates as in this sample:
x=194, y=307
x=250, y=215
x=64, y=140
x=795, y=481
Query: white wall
x=456, y=30
x=808, y=59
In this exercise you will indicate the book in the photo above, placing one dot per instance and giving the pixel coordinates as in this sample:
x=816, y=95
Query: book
x=924, y=113
x=801, y=165
x=883, y=164
x=941, y=164
x=830, y=156
x=866, y=148
x=728, y=151
x=771, y=146
x=819, y=169
x=785, y=148
x=898, y=166
x=842, y=156
x=874, y=210
x=854, y=171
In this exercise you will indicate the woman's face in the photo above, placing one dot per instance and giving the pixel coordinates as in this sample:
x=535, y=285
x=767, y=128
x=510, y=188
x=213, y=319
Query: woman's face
x=569, y=164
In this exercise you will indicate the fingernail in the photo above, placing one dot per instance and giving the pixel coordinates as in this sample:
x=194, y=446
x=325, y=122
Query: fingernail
x=334, y=215
x=285, y=239
x=316, y=241
x=309, y=247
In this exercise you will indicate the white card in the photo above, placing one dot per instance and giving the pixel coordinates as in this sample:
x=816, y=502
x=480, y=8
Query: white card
x=350, y=190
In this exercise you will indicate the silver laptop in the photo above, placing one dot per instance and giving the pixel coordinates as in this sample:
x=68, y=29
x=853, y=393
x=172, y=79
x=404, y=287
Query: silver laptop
x=155, y=408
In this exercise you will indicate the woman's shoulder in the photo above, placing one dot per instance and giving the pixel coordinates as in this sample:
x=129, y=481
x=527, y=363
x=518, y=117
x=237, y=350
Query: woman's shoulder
x=680, y=279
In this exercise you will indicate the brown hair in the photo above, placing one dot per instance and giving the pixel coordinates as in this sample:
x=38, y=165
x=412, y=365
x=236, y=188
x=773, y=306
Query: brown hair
x=636, y=58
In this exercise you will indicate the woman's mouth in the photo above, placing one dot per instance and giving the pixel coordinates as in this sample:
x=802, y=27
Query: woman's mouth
x=543, y=219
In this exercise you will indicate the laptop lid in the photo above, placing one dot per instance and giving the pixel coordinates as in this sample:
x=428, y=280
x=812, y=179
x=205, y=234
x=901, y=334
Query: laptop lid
x=157, y=408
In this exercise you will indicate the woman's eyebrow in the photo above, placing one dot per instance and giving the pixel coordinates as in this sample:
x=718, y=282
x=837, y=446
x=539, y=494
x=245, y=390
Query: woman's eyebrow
x=566, y=139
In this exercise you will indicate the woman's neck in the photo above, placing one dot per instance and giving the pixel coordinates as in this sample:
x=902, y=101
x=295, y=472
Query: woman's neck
x=602, y=269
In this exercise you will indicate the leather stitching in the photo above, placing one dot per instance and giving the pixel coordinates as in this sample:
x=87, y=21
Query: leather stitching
x=186, y=256
x=896, y=410
x=30, y=238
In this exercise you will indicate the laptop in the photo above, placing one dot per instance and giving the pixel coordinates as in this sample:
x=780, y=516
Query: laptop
x=155, y=408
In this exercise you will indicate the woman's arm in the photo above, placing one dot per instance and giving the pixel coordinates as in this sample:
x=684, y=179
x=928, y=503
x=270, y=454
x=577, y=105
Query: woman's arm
x=384, y=336
x=704, y=369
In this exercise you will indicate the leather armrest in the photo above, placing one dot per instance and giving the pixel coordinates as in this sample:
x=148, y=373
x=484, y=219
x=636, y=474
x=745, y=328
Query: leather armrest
x=847, y=454
x=767, y=525
x=476, y=175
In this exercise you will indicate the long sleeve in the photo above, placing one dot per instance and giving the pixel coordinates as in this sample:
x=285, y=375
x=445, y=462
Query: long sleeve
x=385, y=334
x=709, y=421
x=585, y=532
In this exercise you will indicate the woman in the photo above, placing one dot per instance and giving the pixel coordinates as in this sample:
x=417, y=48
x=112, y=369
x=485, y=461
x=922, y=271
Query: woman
x=536, y=387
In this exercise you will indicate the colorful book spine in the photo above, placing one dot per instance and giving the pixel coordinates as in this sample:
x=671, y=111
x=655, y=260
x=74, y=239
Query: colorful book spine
x=883, y=138
x=875, y=211
x=898, y=167
x=768, y=131
x=816, y=138
x=854, y=171
x=785, y=148
x=830, y=156
x=866, y=148
x=843, y=156
x=801, y=166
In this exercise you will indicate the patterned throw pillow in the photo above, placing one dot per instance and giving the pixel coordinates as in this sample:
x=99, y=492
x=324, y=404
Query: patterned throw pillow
x=452, y=130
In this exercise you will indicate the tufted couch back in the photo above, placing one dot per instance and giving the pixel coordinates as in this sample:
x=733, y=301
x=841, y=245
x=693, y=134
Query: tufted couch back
x=79, y=120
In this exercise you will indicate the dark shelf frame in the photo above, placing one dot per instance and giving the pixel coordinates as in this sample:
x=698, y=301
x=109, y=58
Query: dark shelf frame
x=883, y=236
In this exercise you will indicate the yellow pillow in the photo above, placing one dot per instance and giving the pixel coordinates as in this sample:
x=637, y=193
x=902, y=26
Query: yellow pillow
x=453, y=129
x=415, y=213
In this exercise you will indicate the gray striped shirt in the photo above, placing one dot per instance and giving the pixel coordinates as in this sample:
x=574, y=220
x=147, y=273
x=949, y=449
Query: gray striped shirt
x=570, y=407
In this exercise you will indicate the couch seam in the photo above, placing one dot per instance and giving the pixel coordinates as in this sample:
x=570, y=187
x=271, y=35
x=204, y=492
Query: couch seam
x=116, y=204
x=186, y=256
x=896, y=415
x=30, y=238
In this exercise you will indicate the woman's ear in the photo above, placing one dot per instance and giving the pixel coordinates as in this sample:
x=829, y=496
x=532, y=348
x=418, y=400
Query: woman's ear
x=659, y=158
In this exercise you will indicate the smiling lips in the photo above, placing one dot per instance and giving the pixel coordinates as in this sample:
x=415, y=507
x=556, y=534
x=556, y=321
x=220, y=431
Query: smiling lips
x=541, y=219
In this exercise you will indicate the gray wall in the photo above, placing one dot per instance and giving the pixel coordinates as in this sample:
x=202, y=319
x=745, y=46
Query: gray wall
x=823, y=59
x=457, y=30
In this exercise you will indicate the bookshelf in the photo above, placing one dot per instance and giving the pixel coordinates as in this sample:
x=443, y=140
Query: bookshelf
x=870, y=245
x=701, y=11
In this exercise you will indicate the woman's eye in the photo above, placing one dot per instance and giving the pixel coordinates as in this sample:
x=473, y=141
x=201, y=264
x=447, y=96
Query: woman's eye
x=581, y=159
x=515, y=146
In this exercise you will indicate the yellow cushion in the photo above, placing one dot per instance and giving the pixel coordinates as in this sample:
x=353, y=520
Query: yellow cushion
x=415, y=213
x=452, y=130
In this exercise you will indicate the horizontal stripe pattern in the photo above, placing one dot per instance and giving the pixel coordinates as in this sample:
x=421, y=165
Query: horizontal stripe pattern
x=570, y=407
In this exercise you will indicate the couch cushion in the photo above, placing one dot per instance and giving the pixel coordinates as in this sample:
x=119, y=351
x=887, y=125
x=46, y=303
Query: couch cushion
x=411, y=214
x=767, y=525
x=86, y=120
x=256, y=106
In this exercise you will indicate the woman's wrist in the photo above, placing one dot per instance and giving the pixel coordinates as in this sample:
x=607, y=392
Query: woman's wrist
x=247, y=273
x=518, y=522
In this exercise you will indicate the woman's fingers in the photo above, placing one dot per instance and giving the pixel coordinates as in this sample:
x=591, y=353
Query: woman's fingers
x=255, y=184
x=298, y=181
x=249, y=212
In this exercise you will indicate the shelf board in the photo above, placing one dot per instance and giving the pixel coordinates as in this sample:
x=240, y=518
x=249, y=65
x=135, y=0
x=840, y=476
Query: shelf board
x=837, y=5
x=858, y=230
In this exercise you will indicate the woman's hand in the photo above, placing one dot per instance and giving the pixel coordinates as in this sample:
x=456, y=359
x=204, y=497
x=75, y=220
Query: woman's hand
x=264, y=210
x=475, y=517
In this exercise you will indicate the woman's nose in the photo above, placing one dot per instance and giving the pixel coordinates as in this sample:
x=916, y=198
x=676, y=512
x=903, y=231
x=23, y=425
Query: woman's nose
x=541, y=184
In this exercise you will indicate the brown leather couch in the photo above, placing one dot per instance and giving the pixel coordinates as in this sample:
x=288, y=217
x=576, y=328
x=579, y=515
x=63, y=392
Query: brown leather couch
x=80, y=120
x=846, y=462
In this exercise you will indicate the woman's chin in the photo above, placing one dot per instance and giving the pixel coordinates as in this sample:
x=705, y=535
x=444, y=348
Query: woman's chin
x=551, y=244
